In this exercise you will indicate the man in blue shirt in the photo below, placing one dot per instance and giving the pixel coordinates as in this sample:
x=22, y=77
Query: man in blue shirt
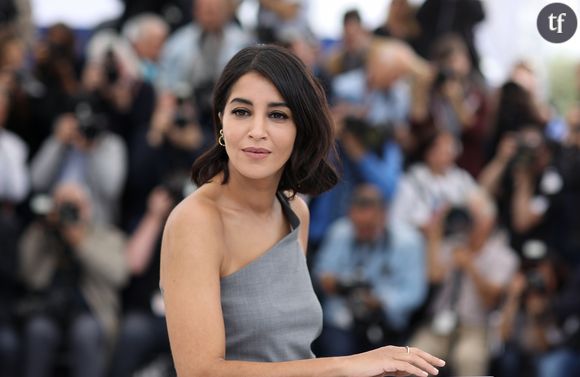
x=380, y=164
x=372, y=275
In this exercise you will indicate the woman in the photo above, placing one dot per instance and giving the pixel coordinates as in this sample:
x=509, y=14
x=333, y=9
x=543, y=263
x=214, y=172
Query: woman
x=239, y=301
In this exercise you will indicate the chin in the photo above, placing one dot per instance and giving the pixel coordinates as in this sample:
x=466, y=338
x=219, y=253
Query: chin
x=258, y=172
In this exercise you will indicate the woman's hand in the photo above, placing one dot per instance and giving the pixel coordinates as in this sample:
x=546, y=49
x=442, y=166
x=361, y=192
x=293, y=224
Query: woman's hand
x=393, y=361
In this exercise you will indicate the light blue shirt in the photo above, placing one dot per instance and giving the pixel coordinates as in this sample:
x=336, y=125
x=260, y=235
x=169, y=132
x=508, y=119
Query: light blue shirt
x=181, y=61
x=396, y=270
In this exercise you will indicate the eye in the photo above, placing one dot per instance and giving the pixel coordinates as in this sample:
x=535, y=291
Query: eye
x=240, y=113
x=278, y=115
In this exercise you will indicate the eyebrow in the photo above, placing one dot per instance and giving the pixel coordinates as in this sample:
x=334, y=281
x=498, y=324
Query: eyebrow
x=248, y=102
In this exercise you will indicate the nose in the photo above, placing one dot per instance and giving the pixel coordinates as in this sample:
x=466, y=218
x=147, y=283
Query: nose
x=258, y=128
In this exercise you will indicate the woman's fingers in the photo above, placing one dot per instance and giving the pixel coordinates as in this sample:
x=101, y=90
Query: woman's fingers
x=417, y=361
x=426, y=356
x=406, y=367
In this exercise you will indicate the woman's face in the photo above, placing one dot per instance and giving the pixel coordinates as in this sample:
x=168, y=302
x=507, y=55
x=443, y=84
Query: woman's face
x=259, y=129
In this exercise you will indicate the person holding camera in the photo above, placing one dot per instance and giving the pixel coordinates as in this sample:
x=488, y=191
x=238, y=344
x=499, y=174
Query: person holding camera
x=81, y=149
x=368, y=155
x=455, y=100
x=538, y=332
x=434, y=182
x=143, y=332
x=526, y=180
x=372, y=276
x=74, y=268
x=469, y=267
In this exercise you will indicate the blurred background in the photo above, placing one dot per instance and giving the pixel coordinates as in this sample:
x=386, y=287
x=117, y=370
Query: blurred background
x=455, y=227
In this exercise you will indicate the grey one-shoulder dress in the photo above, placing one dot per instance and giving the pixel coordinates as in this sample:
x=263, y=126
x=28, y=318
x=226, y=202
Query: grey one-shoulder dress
x=269, y=307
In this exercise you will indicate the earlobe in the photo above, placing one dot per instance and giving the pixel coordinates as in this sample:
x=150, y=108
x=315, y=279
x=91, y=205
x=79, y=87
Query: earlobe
x=220, y=116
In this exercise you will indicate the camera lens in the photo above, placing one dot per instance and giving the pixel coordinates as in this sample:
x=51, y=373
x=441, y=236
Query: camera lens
x=68, y=213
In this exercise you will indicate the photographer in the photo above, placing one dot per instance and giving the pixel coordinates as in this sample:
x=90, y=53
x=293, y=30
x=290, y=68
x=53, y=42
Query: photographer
x=368, y=155
x=83, y=150
x=168, y=145
x=175, y=122
x=526, y=181
x=53, y=82
x=538, y=318
x=74, y=268
x=143, y=333
x=469, y=267
x=434, y=182
x=455, y=100
x=372, y=276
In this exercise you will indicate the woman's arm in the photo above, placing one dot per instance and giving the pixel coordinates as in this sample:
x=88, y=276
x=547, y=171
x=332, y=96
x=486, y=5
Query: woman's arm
x=491, y=175
x=192, y=253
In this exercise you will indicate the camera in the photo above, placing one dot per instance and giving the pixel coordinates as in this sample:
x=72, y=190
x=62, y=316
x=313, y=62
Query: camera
x=345, y=287
x=355, y=290
x=91, y=123
x=110, y=67
x=526, y=154
x=529, y=142
x=202, y=95
x=184, y=107
x=457, y=222
x=443, y=75
x=68, y=213
x=536, y=282
x=182, y=117
x=372, y=138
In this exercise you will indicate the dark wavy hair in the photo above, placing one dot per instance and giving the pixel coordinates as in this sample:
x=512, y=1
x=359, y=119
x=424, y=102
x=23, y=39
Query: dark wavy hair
x=309, y=169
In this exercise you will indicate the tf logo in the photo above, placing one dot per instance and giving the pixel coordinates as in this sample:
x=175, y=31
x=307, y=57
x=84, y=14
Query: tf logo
x=557, y=22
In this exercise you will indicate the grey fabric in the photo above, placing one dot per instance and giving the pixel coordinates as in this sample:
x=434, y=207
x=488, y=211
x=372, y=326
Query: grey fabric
x=269, y=307
x=106, y=170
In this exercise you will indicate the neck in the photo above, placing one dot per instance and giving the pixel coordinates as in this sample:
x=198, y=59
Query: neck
x=255, y=195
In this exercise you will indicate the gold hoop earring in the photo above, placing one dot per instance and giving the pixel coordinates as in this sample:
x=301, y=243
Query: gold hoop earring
x=221, y=140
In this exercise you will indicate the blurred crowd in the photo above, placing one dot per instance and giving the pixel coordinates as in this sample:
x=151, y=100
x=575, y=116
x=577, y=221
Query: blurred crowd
x=455, y=226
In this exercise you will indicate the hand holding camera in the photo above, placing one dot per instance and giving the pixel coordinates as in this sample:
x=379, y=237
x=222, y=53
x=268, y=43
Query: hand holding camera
x=71, y=224
x=507, y=148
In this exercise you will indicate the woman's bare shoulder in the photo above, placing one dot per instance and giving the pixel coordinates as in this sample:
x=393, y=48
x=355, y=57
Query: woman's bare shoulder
x=196, y=221
x=198, y=207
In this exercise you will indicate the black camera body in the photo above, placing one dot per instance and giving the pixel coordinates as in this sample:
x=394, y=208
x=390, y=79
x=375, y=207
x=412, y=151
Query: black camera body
x=457, y=222
x=68, y=214
x=91, y=122
x=443, y=76
x=372, y=138
x=182, y=117
x=526, y=154
x=535, y=281
x=355, y=291
x=110, y=67
x=345, y=287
